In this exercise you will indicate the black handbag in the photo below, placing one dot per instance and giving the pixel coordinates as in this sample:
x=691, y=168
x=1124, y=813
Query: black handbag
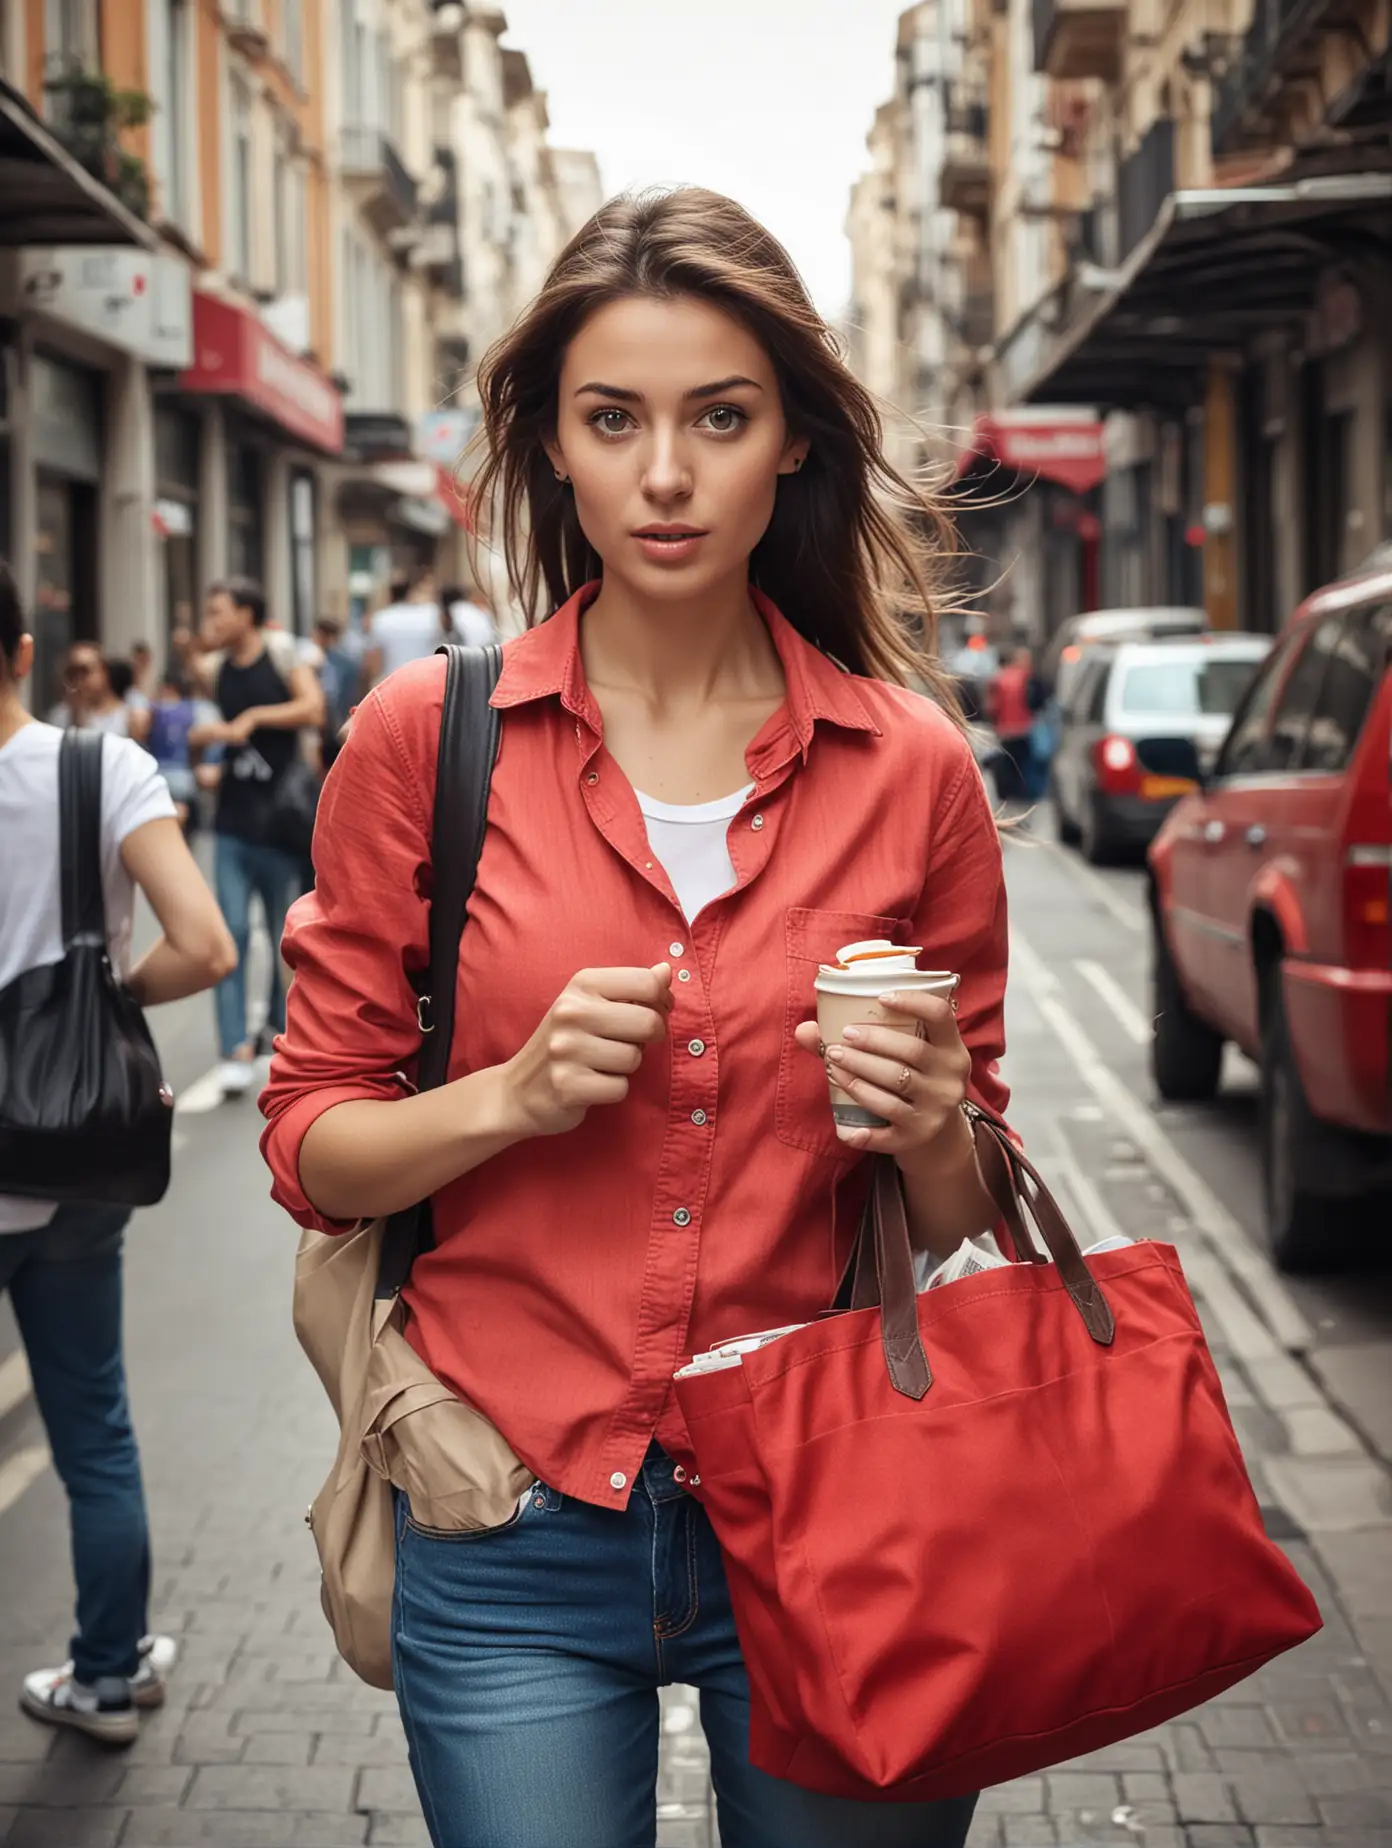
x=294, y=804
x=85, y=1114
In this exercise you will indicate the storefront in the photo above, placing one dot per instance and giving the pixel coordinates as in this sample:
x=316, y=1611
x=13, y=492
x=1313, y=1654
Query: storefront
x=177, y=443
x=65, y=435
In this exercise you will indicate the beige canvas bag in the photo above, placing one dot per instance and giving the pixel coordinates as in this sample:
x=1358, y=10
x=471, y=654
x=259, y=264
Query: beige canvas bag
x=400, y=1427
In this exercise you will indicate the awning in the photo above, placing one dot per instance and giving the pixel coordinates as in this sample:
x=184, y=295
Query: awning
x=1061, y=443
x=236, y=355
x=426, y=490
x=1216, y=268
x=48, y=198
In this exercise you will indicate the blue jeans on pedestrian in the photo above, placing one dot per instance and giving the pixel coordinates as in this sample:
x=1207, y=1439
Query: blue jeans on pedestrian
x=276, y=876
x=527, y=1661
x=64, y=1282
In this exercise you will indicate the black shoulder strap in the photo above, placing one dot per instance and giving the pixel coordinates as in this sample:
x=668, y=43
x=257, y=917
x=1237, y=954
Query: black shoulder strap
x=79, y=833
x=464, y=772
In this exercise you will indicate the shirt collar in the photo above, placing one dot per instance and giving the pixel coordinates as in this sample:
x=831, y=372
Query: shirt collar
x=544, y=663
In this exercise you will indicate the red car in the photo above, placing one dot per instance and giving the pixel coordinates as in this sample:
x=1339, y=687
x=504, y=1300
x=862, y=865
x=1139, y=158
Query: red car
x=1270, y=890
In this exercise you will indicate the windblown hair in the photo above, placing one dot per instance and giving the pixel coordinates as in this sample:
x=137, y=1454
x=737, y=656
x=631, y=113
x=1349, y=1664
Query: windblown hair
x=11, y=616
x=854, y=553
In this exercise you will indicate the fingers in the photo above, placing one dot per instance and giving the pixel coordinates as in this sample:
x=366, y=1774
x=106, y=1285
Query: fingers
x=936, y=1012
x=628, y=1021
x=643, y=987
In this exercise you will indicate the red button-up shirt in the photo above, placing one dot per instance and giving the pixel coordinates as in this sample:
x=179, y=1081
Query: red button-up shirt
x=572, y=1275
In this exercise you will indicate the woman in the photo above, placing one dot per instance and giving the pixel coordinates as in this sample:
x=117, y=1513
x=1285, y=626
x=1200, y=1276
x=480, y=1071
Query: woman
x=62, y=1266
x=693, y=806
x=95, y=691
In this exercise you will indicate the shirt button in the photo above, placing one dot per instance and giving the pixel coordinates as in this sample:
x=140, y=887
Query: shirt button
x=696, y=1048
x=593, y=777
x=676, y=949
x=678, y=1474
x=683, y=975
x=757, y=822
x=698, y=1117
x=618, y=1480
x=681, y=1217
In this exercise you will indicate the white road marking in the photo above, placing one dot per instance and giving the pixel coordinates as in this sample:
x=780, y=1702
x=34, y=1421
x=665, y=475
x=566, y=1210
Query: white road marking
x=1128, y=1016
x=15, y=1384
x=1227, y=1240
x=19, y=1471
x=1108, y=895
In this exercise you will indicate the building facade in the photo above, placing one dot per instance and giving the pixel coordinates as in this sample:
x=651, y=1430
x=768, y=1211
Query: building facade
x=249, y=256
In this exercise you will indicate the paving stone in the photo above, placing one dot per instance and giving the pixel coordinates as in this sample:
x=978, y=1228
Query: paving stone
x=66, y=1828
x=23, y=1741
x=1359, y=1809
x=1081, y=1790
x=395, y=1831
x=1271, y=1799
x=1236, y=1728
x=387, y=1789
x=1331, y=1495
x=985, y=1830
x=346, y=1749
x=1186, y=1749
x=1203, y=1797
x=1145, y=1787
x=1219, y=1835
x=1028, y=1832
x=686, y=1833
x=1023, y=1797
x=145, y=1784
x=305, y=1719
x=92, y=1780
x=280, y=1748
x=263, y=1787
x=181, y=1828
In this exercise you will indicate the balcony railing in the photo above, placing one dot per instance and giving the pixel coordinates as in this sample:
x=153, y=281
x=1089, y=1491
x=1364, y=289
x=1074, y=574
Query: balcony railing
x=1079, y=38
x=1145, y=180
x=965, y=181
x=1277, y=28
x=370, y=158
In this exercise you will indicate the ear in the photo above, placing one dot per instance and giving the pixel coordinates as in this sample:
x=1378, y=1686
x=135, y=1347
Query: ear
x=794, y=455
x=554, y=457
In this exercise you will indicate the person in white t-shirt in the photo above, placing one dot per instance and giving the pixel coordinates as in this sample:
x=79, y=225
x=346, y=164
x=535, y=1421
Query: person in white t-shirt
x=407, y=629
x=62, y=1266
x=470, y=621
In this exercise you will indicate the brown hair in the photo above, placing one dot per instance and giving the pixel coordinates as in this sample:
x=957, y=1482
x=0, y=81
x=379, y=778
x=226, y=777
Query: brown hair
x=844, y=557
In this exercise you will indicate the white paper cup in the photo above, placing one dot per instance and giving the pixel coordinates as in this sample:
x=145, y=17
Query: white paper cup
x=847, y=997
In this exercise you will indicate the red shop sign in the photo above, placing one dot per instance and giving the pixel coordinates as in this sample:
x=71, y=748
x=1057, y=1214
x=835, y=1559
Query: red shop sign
x=234, y=355
x=1058, y=445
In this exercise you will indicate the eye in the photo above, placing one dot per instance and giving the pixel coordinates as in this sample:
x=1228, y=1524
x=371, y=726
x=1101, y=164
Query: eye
x=610, y=421
x=724, y=419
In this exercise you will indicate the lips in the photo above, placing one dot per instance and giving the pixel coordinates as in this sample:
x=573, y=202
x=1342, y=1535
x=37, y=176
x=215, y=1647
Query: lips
x=669, y=545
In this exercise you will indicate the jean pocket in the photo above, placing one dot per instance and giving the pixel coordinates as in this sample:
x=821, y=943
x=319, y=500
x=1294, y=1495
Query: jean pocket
x=535, y=1499
x=802, y=1113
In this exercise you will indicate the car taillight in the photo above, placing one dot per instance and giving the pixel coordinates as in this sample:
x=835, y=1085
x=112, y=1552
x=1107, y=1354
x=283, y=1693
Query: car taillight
x=1117, y=766
x=1367, y=891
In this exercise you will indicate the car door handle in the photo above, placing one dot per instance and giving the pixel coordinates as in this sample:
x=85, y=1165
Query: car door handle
x=1255, y=835
x=1213, y=832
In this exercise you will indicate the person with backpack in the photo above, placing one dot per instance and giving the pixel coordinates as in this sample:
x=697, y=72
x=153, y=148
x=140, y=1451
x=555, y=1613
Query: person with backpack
x=61, y=1265
x=266, y=696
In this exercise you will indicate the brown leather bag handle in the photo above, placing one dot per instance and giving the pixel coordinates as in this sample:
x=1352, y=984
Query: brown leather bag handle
x=883, y=1260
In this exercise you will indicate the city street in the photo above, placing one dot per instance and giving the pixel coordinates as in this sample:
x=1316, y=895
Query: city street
x=267, y=1739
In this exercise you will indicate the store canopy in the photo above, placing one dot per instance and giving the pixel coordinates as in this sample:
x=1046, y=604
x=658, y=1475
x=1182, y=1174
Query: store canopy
x=1059, y=443
x=1217, y=267
x=46, y=197
x=236, y=355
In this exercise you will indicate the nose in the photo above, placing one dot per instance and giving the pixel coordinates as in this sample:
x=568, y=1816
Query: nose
x=667, y=473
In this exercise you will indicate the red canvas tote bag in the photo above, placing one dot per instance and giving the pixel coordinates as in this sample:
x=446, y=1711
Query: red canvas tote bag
x=972, y=1533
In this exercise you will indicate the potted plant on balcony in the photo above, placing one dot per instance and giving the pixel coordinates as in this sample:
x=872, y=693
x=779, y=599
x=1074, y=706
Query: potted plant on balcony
x=89, y=117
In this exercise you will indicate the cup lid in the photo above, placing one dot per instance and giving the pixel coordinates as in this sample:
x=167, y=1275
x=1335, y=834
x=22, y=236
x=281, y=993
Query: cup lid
x=877, y=953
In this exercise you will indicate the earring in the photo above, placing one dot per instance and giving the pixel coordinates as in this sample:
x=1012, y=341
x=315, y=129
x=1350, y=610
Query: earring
x=797, y=465
x=560, y=476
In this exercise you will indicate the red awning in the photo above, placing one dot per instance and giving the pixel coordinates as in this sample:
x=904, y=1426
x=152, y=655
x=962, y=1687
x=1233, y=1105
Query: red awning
x=235, y=355
x=1059, y=444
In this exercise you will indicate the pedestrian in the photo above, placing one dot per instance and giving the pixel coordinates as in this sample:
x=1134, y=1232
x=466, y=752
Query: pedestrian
x=468, y=618
x=338, y=676
x=173, y=715
x=407, y=629
x=91, y=701
x=266, y=696
x=1015, y=698
x=62, y=1265
x=142, y=661
x=711, y=776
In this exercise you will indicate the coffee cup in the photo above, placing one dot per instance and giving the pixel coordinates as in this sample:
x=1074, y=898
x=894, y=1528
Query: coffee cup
x=847, y=995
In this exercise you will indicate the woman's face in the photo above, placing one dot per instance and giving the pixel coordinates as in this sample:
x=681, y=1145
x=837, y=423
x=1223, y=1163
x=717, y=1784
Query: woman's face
x=669, y=422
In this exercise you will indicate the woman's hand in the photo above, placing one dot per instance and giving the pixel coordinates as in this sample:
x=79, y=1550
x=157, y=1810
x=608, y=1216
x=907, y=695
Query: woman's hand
x=588, y=1046
x=917, y=1084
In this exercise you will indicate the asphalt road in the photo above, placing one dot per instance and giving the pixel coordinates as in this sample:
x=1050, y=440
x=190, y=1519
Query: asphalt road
x=267, y=1739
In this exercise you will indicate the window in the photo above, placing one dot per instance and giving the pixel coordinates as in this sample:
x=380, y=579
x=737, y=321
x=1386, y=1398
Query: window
x=1298, y=698
x=1357, y=660
x=171, y=51
x=291, y=226
x=72, y=36
x=1244, y=750
x=292, y=27
x=239, y=181
x=1097, y=690
x=1185, y=688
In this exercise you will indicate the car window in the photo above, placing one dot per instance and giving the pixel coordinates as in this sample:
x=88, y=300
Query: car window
x=1286, y=743
x=1357, y=660
x=1186, y=686
x=1244, y=750
x=1097, y=692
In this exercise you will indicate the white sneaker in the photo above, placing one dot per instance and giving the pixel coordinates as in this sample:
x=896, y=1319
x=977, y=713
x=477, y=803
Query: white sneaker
x=236, y=1077
x=158, y=1654
x=105, y=1710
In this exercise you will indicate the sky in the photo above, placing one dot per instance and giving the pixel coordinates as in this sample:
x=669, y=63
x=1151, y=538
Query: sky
x=767, y=100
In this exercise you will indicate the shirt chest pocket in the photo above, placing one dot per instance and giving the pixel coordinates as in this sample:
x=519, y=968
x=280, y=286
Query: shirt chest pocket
x=802, y=1115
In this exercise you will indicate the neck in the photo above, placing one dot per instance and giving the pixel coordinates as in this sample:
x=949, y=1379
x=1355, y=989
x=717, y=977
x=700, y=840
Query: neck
x=13, y=715
x=249, y=647
x=679, y=654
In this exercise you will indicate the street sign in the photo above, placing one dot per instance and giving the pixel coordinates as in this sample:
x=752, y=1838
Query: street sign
x=134, y=299
x=442, y=436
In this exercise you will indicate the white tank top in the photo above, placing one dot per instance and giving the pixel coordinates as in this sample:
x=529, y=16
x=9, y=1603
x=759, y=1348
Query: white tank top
x=690, y=841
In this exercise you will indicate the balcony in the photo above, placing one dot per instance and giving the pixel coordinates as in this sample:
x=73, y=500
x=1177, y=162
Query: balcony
x=1145, y=180
x=965, y=183
x=1269, y=50
x=447, y=41
x=1079, y=38
x=376, y=176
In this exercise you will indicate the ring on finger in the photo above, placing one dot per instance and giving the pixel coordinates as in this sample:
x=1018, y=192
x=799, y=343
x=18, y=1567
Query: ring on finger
x=903, y=1081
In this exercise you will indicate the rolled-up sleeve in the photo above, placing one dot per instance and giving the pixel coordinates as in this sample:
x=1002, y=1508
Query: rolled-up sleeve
x=961, y=922
x=357, y=944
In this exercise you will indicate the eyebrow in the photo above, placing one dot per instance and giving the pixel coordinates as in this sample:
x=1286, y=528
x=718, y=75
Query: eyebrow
x=624, y=396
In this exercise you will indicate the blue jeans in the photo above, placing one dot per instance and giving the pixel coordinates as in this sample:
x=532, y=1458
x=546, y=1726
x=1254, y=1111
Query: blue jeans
x=239, y=869
x=64, y=1281
x=527, y=1662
